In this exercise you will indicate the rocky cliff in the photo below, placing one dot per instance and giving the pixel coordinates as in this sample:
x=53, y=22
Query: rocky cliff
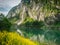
x=35, y=9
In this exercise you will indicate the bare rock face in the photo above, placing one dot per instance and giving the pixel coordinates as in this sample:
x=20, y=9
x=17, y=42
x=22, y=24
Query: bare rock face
x=27, y=8
x=35, y=9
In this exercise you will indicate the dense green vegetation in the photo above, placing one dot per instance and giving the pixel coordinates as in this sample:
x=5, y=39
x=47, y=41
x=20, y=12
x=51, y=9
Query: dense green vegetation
x=29, y=22
x=4, y=23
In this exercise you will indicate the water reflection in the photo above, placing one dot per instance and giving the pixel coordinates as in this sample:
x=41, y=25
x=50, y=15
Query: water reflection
x=41, y=35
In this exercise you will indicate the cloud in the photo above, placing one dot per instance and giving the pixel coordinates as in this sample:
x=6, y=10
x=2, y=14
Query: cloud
x=6, y=5
x=9, y=2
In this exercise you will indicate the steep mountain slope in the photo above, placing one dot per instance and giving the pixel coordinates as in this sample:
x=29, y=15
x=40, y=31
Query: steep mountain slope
x=36, y=9
x=37, y=13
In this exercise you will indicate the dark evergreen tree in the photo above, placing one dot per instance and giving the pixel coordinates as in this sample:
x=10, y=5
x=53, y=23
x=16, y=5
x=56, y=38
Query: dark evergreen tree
x=4, y=23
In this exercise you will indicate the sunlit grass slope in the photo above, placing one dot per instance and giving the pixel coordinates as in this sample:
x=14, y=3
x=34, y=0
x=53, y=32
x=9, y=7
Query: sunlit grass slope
x=12, y=38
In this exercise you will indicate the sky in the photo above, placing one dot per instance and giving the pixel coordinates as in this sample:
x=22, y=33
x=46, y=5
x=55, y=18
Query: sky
x=6, y=5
